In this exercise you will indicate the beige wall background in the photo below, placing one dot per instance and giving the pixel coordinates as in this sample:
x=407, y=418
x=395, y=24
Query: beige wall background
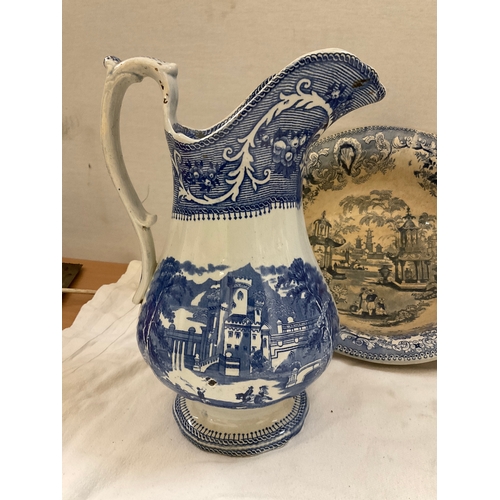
x=224, y=50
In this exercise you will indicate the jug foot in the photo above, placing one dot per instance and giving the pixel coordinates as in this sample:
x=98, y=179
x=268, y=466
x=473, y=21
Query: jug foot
x=240, y=432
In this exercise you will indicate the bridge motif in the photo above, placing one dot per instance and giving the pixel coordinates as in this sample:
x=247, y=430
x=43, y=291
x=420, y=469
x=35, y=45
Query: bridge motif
x=205, y=364
x=297, y=376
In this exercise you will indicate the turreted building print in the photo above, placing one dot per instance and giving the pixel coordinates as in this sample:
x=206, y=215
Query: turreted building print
x=234, y=332
x=248, y=323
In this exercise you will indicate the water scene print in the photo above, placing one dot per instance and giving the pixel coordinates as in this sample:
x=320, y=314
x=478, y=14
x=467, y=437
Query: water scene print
x=246, y=339
x=370, y=209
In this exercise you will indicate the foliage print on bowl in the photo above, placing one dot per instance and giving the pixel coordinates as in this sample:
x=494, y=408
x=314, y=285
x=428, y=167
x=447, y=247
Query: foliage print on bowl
x=370, y=205
x=266, y=332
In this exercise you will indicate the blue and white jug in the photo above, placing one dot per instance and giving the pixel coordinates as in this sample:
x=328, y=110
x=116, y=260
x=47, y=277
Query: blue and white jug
x=236, y=316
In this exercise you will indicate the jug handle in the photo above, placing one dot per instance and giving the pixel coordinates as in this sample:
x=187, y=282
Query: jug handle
x=120, y=76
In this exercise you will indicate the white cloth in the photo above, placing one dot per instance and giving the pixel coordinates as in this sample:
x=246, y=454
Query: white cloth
x=370, y=432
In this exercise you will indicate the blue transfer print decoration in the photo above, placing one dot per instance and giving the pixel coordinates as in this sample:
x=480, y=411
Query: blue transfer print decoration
x=266, y=332
x=250, y=163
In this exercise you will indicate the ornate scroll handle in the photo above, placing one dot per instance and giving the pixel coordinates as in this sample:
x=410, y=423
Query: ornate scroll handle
x=120, y=75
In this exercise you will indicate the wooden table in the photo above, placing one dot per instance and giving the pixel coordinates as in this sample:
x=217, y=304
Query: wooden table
x=92, y=275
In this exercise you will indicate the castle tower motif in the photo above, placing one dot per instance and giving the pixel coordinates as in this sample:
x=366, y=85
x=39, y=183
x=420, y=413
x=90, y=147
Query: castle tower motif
x=210, y=338
x=240, y=296
x=259, y=304
x=265, y=341
x=234, y=329
x=223, y=313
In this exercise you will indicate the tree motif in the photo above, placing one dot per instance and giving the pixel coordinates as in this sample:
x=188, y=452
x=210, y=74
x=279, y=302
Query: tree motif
x=169, y=284
x=342, y=225
x=379, y=208
x=306, y=285
x=285, y=152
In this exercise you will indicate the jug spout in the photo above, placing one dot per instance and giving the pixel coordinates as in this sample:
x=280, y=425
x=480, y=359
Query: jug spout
x=251, y=162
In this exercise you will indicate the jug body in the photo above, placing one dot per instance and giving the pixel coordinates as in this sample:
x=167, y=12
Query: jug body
x=238, y=314
x=237, y=318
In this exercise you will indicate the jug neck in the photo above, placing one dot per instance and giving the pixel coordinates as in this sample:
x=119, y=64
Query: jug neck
x=276, y=238
x=250, y=163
